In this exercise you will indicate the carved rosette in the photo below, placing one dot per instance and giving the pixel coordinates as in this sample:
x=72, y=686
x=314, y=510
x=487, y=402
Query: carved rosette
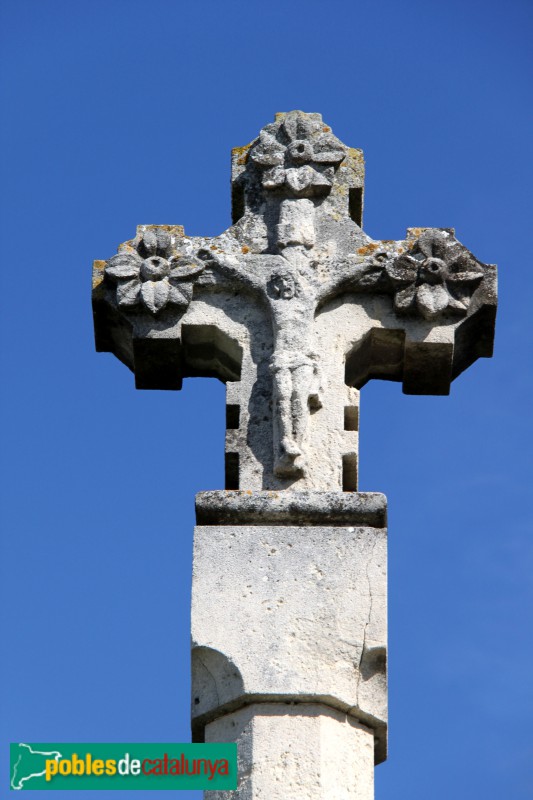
x=151, y=274
x=299, y=154
x=436, y=276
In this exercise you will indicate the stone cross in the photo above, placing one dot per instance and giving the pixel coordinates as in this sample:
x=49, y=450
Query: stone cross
x=294, y=308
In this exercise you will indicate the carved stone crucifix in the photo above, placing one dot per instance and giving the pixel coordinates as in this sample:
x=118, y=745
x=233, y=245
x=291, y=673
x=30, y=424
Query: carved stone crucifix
x=295, y=308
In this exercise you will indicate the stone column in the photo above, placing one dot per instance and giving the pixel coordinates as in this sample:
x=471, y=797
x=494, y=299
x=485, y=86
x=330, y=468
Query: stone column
x=289, y=639
x=304, y=750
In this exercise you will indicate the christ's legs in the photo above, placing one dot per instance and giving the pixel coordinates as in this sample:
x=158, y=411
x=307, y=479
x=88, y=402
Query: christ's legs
x=295, y=391
x=286, y=423
x=283, y=422
x=302, y=388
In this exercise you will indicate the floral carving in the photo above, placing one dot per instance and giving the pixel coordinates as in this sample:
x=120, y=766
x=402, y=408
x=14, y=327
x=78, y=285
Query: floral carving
x=437, y=275
x=153, y=275
x=299, y=153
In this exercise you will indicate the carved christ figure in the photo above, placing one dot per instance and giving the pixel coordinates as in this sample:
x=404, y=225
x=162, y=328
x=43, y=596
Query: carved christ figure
x=293, y=288
x=290, y=288
x=296, y=375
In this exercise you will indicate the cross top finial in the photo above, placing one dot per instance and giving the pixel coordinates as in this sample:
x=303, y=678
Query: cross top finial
x=297, y=156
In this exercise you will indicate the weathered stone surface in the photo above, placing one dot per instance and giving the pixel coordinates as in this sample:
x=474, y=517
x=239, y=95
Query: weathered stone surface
x=305, y=751
x=292, y=613
x=291, y=508
x=295, y=308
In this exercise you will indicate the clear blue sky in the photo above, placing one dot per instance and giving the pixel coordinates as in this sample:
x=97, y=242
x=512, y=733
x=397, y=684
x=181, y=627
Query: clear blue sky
x=119, y=112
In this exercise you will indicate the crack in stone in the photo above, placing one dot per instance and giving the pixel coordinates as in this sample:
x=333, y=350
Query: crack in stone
x=367, y=623
x=204, y=665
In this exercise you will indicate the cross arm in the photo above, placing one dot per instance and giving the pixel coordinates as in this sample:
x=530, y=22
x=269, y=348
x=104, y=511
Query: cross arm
x=436, y=305
x=142, y=294
x=241, y=270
